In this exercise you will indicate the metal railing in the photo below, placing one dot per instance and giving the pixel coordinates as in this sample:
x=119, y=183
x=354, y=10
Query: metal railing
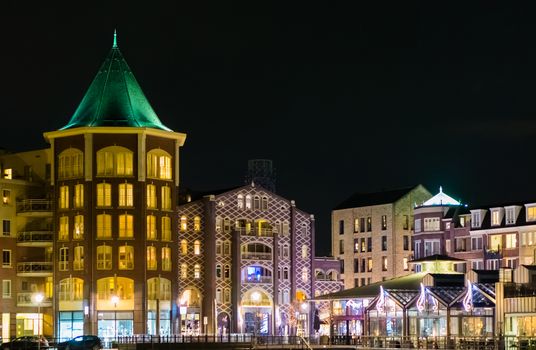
x=35, y=236
x=35, y=267
x=27, y=299
x=260, y=279
x=30, y=205
x=256, y=256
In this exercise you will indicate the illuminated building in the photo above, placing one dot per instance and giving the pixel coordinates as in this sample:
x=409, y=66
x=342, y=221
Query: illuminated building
x=246, y=260
x=26, y=242
x=372, y=232
x=114, y=177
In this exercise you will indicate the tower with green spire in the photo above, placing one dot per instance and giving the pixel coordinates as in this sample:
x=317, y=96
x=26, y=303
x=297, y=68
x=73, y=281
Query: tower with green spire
x=115, y=178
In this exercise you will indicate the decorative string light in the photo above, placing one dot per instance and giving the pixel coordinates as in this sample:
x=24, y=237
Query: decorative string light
x=468, y=299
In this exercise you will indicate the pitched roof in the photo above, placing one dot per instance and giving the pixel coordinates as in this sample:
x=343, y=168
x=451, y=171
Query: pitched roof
x=115, y=98
x=374, y=198
x=440, y=199
x=436, y=257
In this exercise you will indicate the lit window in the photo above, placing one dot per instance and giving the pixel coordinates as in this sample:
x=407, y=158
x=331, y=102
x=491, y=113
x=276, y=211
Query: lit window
x=79, y=196
x=495, y=217
x=369, y=265
x=384, y=222
x=405, y=264
x=114, y=161
x=126, y=257
x=495, y=242
x=71, y=289
x=183, y=223
x=431, y=224
x=126, y=226
x=166, y=228
x=184, y=247
x=78, y=232
x=6, y=288
x=166, y=259
x=184, y=271
x=151, y=227
x=64, y=259
x=104, y=257
x=197, y=271
x=218, y=295
x=63, y=234
x=197, y=224
x=305, y=252
x=64, y=197
x=151, y=258
x=226, y=271
x=197, y=247
x=104, y=226
x=240, y=201
x=475, y=219
x=78, y=260
x=151, y=196
x=104, y=195
x=166, y=198
x=531, y=213
x=248, y=202
x=219, y=273
x=384, y=263
x=159, y=165
x=121, y=287
x=126, y=197
x=305, y=274
x=356, y=225
x=6, y=197
x=70, y=164
x=511, y=241
x=8, y=174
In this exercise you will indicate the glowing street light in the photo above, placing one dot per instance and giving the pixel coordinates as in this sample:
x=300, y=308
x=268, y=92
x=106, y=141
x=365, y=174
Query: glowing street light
x=38, y=298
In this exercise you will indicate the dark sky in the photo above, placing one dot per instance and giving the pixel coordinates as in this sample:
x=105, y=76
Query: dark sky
x=342, y=97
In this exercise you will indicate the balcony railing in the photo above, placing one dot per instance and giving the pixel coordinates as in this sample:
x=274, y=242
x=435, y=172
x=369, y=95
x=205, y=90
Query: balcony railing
x=27, y=299
x=35, y=237
x=257, y=232
x=513, y=290
x=260, y=279
x=35, y=268
x=256, y=256
x=493, y=254
x=34, y=205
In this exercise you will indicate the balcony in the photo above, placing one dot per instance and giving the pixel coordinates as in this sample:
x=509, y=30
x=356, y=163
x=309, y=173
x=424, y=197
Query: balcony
x=27, y=299
x=35, y=239
x=490, y=254
x=35, y=207
x=256, y=232
x=259, y=279
x=256, y=256
x=35, y=269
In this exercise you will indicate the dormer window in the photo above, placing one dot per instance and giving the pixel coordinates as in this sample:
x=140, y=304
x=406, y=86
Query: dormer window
x=510, y=215
x=462, y=221
x=476, y=219
x=496, y=216
x=531, y=212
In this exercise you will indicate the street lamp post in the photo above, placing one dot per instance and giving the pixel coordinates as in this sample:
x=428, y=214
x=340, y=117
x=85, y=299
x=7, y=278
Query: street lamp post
x=38, y=300
x=115, y=300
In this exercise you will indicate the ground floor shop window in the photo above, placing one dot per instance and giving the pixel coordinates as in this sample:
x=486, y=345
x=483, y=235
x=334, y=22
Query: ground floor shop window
x=70, y=324
x=113, y=324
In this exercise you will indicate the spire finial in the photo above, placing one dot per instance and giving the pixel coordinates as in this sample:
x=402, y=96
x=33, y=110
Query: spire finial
x=440, y=189
x=115, y=39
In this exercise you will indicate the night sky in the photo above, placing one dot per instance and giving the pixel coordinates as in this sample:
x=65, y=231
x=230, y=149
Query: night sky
x=343, y=98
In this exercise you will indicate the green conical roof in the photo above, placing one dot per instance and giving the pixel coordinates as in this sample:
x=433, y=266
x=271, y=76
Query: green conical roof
x=115, y=98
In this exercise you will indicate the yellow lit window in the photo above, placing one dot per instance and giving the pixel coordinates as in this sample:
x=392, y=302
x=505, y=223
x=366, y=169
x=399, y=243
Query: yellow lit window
x=104, y=257
x=63, y=234
x=121, y=287
x=369, y=265
x=166, y=259
x=71, y=289
x=114, y=161
x=126, y=226
x=49, y=288
x=151, y=258
x=495, y=242
x=197, y=247
x=104, y=195
x=79, y=196
x=531, y=214
x=78, y=232
x=305, y=252
x=159, y=165
x=126, y=257
x=511, y=241
x=64, y=197
x=184, y=271
x=8, y=174
x=104, y=226
x=151, y=227
x=126, y=198
x=165, y=167
x=70, y=164
x=197, y=224
x=166, y=228
x=124, y=164
x=184, y=247
x=166, y=198
x=151, y=196
x=6, y=197
x=197, y=271
x=64, y=259
x=183, y=223
x=78, y=261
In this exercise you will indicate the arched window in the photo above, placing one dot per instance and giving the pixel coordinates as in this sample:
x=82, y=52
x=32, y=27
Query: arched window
x=226, y=248
x=151, y=227
x=104, y=195
x=78, y=232
x=151, y=196
x=264, y=204
x=218, y=223
x=159, y=164
x=104, y=257
x=184, y=271
x=256, y=251
x=71, y=289
x=166, y=228
x=166, y=259
x=197, y=271
x=126, y=257
x=286, y=297
x=115, y=161
x=70, y=164
x=197, y=247
x=126, y=226
x=126, y=196
x=184, y=247
x=218, y=247
x=184, y=224
x=197, y=224
x=227, y=272
x=248, y=202
x=158, y=288
x=285, y=273
x=240, y=201
x=121, y=287
x=304, y=251
x=218, y=295
x=226, y=225
x=64, y=259
x=151, y=258
x=166, y=197
x=305, y=274
x=226, y=296
x=218, y=272
x=104, y=226
x=78, y=258
x=256, y=203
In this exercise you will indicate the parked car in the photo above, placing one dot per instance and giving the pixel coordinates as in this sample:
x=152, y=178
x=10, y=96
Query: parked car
x=29, y=342
x=82, y=342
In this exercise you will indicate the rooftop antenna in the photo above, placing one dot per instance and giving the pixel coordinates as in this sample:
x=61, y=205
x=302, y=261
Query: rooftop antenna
x=115, y=39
